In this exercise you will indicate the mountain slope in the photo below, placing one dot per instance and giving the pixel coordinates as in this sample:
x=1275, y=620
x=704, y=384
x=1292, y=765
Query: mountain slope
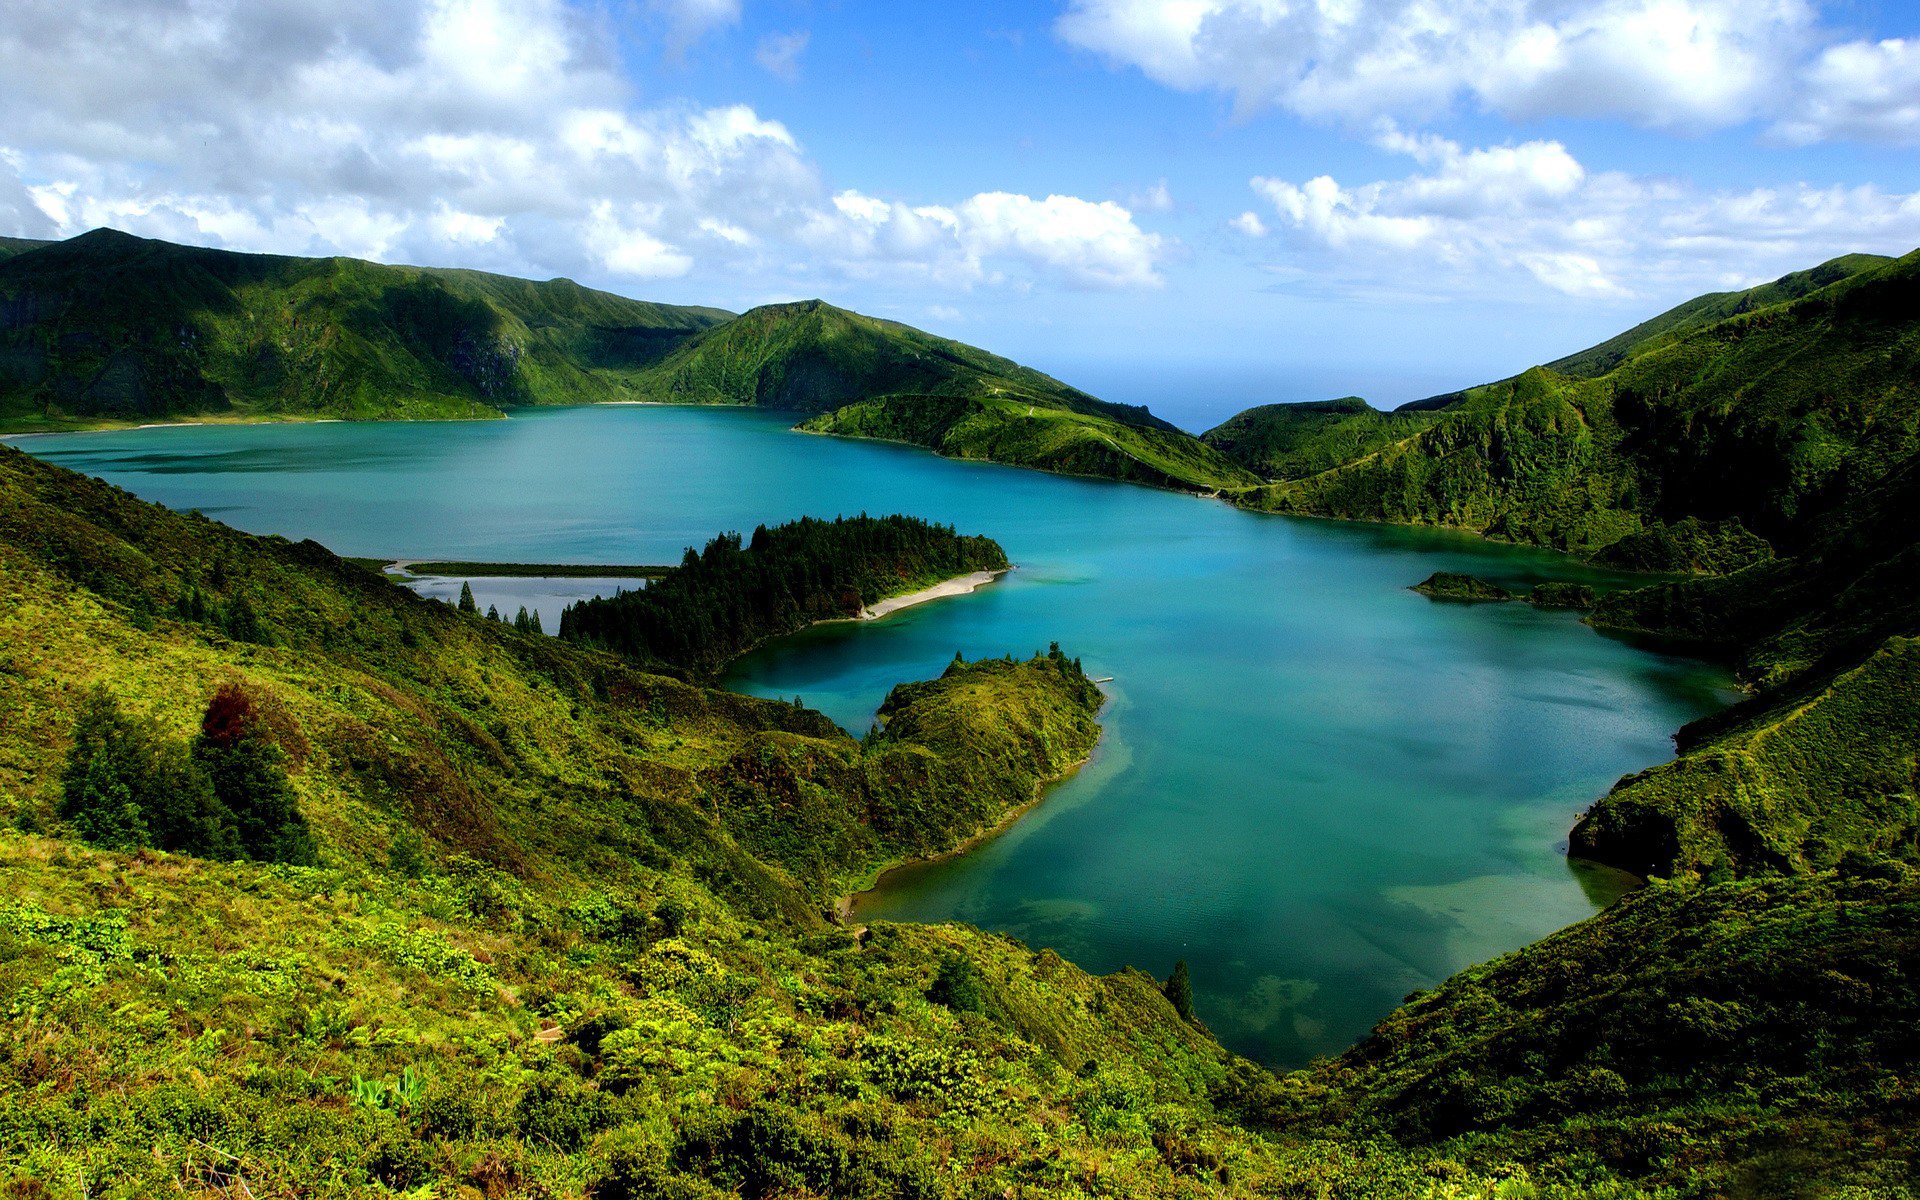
x=1703, y=451
x=812, y=357
x=864, y=377
x=107, y=326
x=1293, y=441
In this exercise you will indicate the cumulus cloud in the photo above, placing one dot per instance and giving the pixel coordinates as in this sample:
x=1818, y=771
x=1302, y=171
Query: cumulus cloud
x=490, y=133
x=779, y=54
x=1079, y=242
x=1474, y=220
x=1249, y=223
x=1869, y=91
x=1686, y=64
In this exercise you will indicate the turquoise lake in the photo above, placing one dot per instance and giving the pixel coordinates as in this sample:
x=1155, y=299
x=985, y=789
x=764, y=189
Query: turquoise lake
x=1322, y=790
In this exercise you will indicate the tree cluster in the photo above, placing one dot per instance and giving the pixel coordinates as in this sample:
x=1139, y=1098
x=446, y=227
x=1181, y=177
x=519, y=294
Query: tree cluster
x=724, y=600
x=224, y=794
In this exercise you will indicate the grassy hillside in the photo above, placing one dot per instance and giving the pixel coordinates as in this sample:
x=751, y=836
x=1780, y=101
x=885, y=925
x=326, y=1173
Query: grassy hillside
x=999, y=428
x=10, y=246
x=1705, y=310
x=864, y=377
x=1294, y=441
x=1745, y=1039
x=1705, y=450
x=564, y=937
x=109, y=327
x=812, y=357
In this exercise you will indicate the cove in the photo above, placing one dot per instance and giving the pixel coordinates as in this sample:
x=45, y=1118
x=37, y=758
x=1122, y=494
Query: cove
x=1322, y=790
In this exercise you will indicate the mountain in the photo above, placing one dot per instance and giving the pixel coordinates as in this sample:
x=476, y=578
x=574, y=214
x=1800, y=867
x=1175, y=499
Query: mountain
x=1773, y=453
x=1293, y=441
x=864, y=377
x=564, y=934
x=1703, y=450
x=106, y=326
x=10, y=246
x=1682, y=318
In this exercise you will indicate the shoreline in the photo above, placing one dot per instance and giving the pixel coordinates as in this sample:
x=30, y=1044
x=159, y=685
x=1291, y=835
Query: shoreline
x=959, y=585
x=846, y=906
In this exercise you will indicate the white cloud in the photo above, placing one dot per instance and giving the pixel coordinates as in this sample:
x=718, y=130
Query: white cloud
x=1868, y=91
x=1677, y=63
x=1249, y=223
x=1078, y=242
x=1156, y=199
x=1475, y=220
x=489, y=133
x=690, y=20
x=779, y=54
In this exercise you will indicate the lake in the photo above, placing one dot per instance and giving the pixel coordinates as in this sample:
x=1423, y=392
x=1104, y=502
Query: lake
x=1322, y=790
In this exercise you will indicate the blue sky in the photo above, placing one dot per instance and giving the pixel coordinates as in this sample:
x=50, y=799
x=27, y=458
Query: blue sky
x=1195, y=204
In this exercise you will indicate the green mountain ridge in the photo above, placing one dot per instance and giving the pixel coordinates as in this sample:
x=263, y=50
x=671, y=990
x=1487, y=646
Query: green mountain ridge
x=107, y=327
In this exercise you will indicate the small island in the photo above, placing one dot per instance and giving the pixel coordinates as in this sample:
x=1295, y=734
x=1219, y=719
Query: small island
x=1466, y=589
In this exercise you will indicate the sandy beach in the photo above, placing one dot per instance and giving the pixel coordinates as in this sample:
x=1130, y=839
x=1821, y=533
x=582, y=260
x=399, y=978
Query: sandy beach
x=959, y=586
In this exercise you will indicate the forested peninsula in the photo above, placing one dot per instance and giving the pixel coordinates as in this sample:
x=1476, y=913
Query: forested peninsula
x=731, y=596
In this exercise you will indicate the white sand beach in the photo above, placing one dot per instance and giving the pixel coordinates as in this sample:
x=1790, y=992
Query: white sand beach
x=958, y=586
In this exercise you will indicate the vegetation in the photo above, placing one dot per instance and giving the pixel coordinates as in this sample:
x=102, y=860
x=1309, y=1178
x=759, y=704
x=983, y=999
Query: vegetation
x=1452, y=585
x=728, y=598
x=315, y=887
x=1294, y=441
x=110, y=327
x=491, y=570
x=1740, y=1039
x=1707, y=448
x=997, y=428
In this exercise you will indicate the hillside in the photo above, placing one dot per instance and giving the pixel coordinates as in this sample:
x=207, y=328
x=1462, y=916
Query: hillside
x=1294, y=441
x=1706, y=450
x=864, y=377
x=110, y=327
x=563, y=936
x=998, y=428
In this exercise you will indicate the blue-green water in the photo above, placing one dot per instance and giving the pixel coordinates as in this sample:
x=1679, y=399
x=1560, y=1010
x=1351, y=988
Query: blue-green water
x=1321, y=789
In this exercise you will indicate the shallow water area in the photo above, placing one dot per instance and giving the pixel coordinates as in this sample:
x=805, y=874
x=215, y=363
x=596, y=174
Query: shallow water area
x=1319, y=788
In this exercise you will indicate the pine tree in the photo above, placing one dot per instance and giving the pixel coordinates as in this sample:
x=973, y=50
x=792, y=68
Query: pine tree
x=493, y=614
x=127, y=784
x=1179, y=991
x=249, y=779
x=533, y=623
x=467, y=604
x=520, y=620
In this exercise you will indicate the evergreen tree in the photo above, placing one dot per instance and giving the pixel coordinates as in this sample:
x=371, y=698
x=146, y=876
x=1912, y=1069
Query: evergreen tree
x=126, y=784
x=521, y=622
x=467, y=604
x=493, y=614
x=246, y=769
x=1179, y=991
x=533, y=623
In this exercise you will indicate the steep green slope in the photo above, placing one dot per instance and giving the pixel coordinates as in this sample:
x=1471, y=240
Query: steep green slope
x=812, y=357
x=1705, y=310
x=10, y=246
x=1746, y=1039
x=1703, y=451
x=864, y=377
x=109, y=327
x=996, y=428
x=1293, y=441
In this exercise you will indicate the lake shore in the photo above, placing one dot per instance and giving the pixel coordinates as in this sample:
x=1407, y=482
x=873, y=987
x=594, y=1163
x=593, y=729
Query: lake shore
x=960, y=585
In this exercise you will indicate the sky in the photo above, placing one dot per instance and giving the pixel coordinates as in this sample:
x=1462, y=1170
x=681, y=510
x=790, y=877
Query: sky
x=1194, y=204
